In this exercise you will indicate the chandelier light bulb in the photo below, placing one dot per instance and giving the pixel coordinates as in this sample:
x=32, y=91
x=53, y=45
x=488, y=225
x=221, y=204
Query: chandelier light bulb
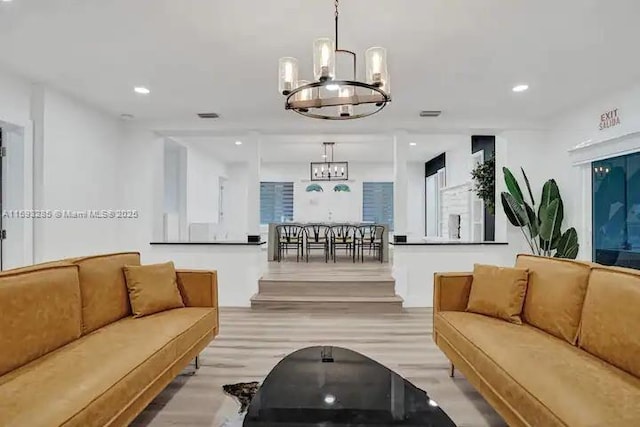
x=288, y=75
x=376, y=63
x=346, y=110
x=324, y=59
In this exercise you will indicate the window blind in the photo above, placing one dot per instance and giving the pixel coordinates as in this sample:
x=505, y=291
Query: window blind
x=377, y=203
x=276, y=202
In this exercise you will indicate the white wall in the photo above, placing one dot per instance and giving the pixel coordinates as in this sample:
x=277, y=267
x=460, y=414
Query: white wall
x=15, y=99
x=235, y=201
x=416, y=200
x=459, y=161
x=580, y=127
x=142, y=188
x=328, y=205
x=81, y=152
x=203, y=185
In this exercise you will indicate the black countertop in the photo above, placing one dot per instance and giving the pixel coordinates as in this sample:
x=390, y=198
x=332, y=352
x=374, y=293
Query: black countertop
x=213, y=243
x=448, y=243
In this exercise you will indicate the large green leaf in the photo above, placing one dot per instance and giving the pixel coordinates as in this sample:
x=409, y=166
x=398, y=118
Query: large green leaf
x=568, y=244
x=514, y=211
x=534, y=224
x=550, y=192
x=512, y=185
x=526, y=181
x=551, y=220
x=572, y=253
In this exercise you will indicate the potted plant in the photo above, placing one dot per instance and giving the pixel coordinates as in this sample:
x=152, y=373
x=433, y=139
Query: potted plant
x=484, y=183
x=542, y=230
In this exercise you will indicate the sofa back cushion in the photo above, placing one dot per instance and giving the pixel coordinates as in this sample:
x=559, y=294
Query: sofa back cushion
x=39, y=312
x=555, y=294
x=610, y=326
x=103, y=288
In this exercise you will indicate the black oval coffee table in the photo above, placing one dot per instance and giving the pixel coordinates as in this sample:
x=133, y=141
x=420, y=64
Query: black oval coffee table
x=333, y=386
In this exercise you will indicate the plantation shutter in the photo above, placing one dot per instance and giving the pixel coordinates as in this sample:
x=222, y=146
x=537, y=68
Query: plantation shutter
x=377, y=203
x=276, y=202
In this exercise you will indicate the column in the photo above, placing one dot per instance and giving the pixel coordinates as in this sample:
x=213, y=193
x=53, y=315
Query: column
x=400, y=181
x=502, y=224
x=253, y=183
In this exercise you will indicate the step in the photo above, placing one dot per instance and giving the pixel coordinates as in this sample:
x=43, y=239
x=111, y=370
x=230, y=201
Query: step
x=359, y=304
x=369, y=288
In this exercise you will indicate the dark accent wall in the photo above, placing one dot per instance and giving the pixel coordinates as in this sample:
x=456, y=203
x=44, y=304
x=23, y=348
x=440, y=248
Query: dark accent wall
x=434, y=165
x=486, y=143
x=431, y=168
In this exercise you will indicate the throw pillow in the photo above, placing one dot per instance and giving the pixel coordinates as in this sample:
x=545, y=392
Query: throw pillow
x=152, y=288
x=498, y=292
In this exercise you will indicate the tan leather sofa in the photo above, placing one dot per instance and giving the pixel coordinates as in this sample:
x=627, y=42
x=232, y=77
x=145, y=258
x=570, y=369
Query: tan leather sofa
x=575, y=361
x=71, y=354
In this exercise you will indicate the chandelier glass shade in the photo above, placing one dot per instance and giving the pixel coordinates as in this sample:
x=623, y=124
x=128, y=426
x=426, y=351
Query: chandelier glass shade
x=329, y=170
x=328, y=97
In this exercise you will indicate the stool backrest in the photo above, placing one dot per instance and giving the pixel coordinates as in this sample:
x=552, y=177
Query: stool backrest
x=343, y=231
x=317, y=233
x=289, y=232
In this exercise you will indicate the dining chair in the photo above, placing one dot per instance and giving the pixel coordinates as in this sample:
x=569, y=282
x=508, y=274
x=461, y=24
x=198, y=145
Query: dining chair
x=343, y=235
x=370, y=237
x=316, y=236
x=290, y=236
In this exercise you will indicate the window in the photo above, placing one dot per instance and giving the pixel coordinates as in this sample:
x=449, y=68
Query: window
x=276, y=202
x=377, y=203
x=616, y=211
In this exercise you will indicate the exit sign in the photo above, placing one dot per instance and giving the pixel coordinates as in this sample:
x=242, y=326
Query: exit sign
x=609, y=119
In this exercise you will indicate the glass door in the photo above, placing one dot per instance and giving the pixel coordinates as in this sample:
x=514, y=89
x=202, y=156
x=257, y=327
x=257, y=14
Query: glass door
x=616, y=211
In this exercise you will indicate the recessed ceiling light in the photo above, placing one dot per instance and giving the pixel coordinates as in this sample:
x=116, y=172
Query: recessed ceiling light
x=238, y=142
x=141, y=90
x=329, y=399
x=333, y=87
x=520, y=88
x=413, y=144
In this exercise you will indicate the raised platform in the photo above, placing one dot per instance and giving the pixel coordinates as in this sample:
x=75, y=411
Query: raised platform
x=343, y=286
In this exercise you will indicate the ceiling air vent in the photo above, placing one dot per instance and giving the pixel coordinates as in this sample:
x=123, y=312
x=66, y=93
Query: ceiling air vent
x=430, y=113
x=208, y=115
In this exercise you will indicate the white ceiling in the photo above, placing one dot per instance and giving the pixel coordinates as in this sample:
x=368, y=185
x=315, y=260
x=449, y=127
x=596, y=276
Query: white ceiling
x=307, y=148
x=460, y=56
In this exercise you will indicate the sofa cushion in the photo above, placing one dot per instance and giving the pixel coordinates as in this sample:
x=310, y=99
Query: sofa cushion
x=90, y=380
x=152, y=288
x=611, y=318
x=547, y=380
x=103, y=289
x=555, y=294
x=39, y=312
x=498, y=292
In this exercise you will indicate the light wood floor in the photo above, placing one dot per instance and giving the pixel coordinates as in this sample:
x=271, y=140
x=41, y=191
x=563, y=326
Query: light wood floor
x=252, y=342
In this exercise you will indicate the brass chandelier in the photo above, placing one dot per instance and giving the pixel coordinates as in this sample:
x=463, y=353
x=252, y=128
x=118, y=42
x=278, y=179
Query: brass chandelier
x=329, y=98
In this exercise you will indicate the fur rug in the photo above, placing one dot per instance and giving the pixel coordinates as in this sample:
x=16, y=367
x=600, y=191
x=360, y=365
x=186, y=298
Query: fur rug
x=244, y=392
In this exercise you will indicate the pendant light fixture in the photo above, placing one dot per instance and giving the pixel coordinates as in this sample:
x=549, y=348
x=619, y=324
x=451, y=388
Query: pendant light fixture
x=330, y=98
x=329, y=170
